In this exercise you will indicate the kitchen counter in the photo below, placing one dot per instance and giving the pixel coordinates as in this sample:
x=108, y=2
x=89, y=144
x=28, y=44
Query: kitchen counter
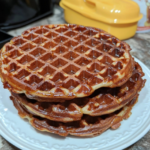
x=140, y=45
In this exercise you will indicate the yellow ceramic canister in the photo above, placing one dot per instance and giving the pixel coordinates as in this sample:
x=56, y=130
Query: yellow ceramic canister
x=118, y=17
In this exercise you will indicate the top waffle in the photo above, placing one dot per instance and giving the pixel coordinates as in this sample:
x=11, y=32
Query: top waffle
x=64, y=61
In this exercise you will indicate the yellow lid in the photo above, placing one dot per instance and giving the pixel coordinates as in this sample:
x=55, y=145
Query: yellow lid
x=109, y=11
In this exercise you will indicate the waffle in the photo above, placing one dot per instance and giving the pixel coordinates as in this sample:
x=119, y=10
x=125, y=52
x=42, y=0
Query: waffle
x=101, y=102
x=87, y=126
x=54, y=62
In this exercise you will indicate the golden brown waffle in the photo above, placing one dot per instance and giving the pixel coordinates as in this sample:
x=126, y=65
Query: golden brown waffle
x=87, y=126
x=102, y=101
x=64, y=61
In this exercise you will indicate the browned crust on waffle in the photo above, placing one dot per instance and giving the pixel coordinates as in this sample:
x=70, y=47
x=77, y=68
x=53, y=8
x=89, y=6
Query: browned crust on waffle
x=127, y=92
x=20, y=67
x=87, y=126
x=103, y=101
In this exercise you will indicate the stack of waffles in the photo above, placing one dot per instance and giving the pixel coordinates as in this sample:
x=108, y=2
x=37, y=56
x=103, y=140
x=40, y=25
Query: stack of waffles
x=71, y=79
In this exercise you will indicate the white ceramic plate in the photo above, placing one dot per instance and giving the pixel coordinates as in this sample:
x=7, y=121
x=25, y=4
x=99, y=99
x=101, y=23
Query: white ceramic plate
x=21, y=134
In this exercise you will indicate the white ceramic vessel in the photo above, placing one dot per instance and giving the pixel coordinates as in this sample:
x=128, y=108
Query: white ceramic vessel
x=21, y=134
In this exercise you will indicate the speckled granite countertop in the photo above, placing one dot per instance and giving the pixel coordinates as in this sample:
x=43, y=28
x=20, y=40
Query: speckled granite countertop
x=140, y=45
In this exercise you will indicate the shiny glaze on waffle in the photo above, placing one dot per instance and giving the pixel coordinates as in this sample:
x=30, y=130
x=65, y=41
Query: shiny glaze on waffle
x=52, y=62
x=102, y=101
x=87, y=126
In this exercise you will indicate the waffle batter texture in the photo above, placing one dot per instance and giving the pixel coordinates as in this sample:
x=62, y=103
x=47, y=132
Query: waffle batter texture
x=71, y=79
